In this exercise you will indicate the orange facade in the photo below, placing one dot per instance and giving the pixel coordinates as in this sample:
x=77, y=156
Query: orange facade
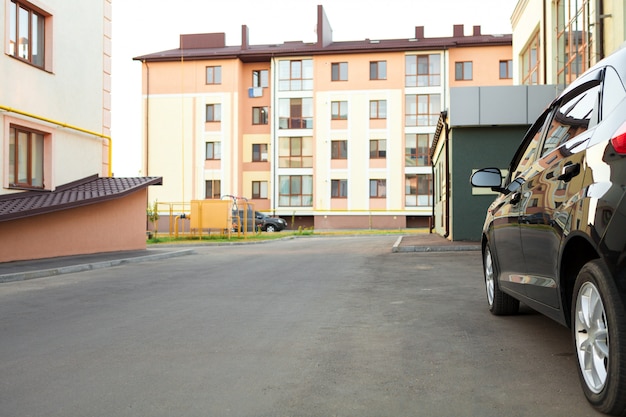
x=115, y=225
x=485, y=65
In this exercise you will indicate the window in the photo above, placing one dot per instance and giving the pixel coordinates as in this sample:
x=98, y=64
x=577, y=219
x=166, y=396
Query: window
x=378, y=70
x=463, y=71
x=295, y=152
x=339, y=149
x=339, y=110
x=259, y=189
x=213, y=150
x=573, y=38
x=26, y=33
x=339, y=188
x=259, y=152
x=571, y=118
x=378, y=148
x=417, y=149
x=259, y=115
x=422, y=109
x=378, y=109
x=260, y=78
x=26, y=149
x=214, y=75
x=418, y=190
x=213, y=112
x=212, y=189
x=378, y=188
x=530, y=145
x=295, y=113
x=506, y=69
x=530, y=62
x=339, y=71
x=295, y=75
x=423, y=70
x=295, y=190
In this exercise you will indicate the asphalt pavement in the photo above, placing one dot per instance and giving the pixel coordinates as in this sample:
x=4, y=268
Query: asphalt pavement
x=40, y=268
x=315, y=326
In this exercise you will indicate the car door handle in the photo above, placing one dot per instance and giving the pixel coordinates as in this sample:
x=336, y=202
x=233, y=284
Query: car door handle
x=569, y=171
x=515, y=198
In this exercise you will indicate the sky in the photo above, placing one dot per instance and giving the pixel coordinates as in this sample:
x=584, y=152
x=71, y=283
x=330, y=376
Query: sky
x=142, y=27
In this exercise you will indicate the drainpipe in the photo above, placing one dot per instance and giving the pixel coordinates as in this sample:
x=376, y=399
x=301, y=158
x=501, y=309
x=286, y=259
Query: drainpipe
x=448, y=188
x=67, y=126
x=600, y=16
x=147, y=118
x=273, y=150
x=545, y=45
x=432, y=192
x=147, y=141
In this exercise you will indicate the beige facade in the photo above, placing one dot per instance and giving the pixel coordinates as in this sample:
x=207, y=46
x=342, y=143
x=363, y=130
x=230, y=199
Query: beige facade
x=57, y=196
x=43, y=91
x=348, y=129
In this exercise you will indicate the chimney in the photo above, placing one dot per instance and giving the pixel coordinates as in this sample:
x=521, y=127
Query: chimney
x=476, y=30
x=245, y=37
x=419, y=32
x=203, y=40
x=458, y=31
x=324, y=31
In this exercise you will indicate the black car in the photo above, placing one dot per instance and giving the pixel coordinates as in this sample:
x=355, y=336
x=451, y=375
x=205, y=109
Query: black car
x=555, y=237
x=268, y=223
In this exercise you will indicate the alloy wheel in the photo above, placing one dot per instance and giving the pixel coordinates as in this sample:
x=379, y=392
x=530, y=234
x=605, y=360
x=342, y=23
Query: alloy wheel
x=489, y=276
x=592, y=337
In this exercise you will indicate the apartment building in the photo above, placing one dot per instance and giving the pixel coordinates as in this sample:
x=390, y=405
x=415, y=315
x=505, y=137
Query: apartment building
x=325, y=134
x=57, y=196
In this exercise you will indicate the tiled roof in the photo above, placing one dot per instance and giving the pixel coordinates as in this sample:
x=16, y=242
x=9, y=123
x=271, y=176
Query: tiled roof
x=83, y=192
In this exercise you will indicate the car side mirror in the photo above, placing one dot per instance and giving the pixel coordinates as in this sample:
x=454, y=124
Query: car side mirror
x=488, y=178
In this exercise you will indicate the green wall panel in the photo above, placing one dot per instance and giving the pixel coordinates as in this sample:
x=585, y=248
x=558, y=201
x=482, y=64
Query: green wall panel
x=474, y=148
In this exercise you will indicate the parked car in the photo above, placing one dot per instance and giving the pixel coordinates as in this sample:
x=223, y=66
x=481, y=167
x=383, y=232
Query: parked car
x=555, y=236
x=268, y=223
x=245, y=219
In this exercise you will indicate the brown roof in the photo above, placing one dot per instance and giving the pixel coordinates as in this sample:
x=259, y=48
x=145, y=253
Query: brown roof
x=259, y=53
x=83, y=192
x=206, y=46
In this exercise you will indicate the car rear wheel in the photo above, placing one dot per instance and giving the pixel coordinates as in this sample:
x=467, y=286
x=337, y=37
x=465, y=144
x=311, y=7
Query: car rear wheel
x=599, y=335
x=500, y=303
x=270, y=228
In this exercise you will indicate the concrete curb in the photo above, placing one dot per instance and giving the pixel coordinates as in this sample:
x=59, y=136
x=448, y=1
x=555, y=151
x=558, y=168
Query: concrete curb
x=396, y=248
x=23, y=276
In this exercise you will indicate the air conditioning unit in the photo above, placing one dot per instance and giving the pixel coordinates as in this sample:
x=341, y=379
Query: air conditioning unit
x=254, y=92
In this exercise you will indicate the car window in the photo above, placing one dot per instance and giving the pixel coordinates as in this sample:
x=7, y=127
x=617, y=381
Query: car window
x=527, y=154
x=613, y=92
x=571, y=117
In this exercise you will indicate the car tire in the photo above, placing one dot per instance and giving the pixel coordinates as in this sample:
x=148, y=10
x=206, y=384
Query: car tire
x=599, y=336
x=270, y=228
x=500, y=303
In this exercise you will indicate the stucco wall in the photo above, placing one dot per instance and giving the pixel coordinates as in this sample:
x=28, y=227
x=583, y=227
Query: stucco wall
x=485, y=62
x=360, y=222
x=73, y=90
x=110, y=226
